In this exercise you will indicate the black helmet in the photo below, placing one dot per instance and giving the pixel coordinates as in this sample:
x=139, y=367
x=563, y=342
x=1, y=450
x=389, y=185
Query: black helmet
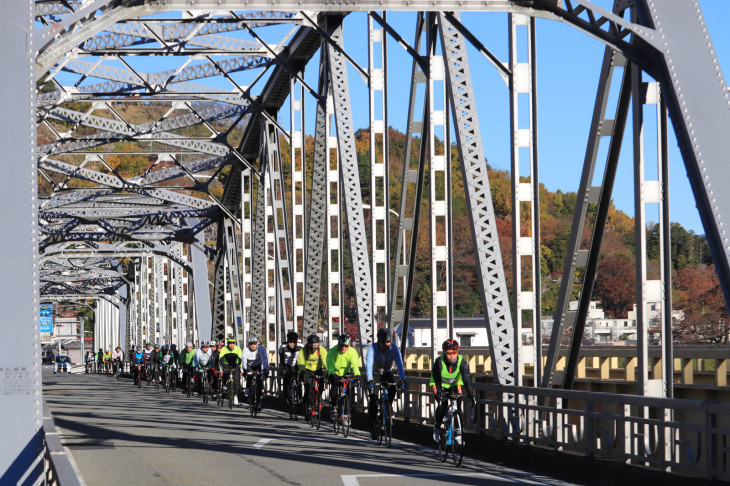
x=292, y=337
x=313, y=338
x=343, y=339
x=383, y=335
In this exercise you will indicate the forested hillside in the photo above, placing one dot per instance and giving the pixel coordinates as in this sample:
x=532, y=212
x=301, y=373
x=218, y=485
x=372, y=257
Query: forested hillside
x=696, y=288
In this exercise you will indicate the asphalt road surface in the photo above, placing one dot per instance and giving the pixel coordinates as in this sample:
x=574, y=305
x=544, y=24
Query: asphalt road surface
x=119, y=434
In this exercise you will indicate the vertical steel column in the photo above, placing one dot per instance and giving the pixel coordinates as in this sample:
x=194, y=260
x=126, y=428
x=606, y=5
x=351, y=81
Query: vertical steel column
x=280, y=227
x=219, y=321
x=525, y=249
x=607, y=126
x=335, y=293
x=258, y=293
x=159, y=322
x=272, y=280
x=649, y=291
x=351, y=193
x=493, y=288
x=246, y=250
x=21, y=400
x=411, y=194
x=439, y=169
x=234, y=281
x=182, y=296
x=298, y=200
x=317, y=226
x=379, y=175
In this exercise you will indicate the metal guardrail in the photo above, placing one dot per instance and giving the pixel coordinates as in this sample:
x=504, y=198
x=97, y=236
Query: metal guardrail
x=57, y=467
x=683, y=437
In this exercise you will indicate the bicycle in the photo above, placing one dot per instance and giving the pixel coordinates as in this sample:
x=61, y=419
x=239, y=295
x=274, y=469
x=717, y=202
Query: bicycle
x=155, y=375
x=314, y=404
x=205, y=389
x=169, y=377
x=220, y=389
x=342, y=418
x=295, y=396
x=384, y=417
x=253, y=391
x=138, y=375
x=451, y=440
x=117, y=369
x=189, y=383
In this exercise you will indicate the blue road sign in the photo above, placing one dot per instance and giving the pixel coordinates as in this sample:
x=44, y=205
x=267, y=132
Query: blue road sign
x=46, y=319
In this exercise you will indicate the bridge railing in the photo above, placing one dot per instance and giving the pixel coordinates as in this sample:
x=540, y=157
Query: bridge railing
x=57, y=467
x=693, y=365
x=684, y=437
x=679, y=436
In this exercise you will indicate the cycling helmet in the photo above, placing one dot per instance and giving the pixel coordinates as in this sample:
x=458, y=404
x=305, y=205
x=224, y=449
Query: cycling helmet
x=312, y=339
x=157, y=346
x=205, y=344
x=189, y=343
x=118, y=347
x=230, y=340
x=165, y=347
x=173, y=347
x=252, y=340
x=383, y=335
x=450, y=344
x=139, y=347
x=343, y=339
x=292, y=337
x=220, y=343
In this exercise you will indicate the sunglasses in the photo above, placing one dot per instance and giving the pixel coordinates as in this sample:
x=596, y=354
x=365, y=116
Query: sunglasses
x=344, y=345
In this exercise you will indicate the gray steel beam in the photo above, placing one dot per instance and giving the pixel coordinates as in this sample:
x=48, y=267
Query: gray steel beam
x=21, y=397
x=492, y=284
x=350, y=183
x=317, y=224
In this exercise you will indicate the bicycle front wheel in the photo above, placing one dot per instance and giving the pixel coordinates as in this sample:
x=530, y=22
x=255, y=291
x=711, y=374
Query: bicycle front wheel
x=387, y=423
x=337, y=415
x=346, y=417
x=443, y=448
x=457, y=440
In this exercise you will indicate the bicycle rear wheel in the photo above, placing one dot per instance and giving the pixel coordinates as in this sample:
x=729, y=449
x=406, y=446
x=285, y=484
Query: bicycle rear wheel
x=188, y=385
x=231, y=391
x=457, y=440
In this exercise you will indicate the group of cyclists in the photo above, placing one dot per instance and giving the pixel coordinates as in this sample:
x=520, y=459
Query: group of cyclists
x=104, y=361
x=217, y=365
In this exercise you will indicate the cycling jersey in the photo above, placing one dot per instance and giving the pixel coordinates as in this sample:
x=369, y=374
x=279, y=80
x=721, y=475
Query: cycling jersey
x=147, y=355
x=288, y=357
x=379, y=361
x=230, y=357
x=342, y=363
x=186, y=357
x=257, y=359
x=138, y=357
x=118, y=355
x=312, y=361
x=203, y=359
x=106, y=357
x=445, y=375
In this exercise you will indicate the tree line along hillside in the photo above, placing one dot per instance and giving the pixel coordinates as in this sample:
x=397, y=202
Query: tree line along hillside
x=696, y=289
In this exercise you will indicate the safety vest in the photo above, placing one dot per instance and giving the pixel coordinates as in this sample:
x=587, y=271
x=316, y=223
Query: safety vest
x=449, y=379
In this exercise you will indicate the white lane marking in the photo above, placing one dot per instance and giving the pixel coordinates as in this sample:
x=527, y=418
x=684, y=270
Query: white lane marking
x=351, y=479
x=261, y=443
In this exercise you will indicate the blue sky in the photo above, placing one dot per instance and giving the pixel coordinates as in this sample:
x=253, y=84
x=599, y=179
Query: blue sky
x=568, y=67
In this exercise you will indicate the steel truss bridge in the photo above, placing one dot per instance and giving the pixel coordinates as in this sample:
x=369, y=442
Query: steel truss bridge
x=155, y=142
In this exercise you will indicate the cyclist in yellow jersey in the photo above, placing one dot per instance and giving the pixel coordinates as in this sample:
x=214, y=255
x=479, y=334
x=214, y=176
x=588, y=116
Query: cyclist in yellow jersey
x=312, y=364
x=342, y=359
x=449, y=371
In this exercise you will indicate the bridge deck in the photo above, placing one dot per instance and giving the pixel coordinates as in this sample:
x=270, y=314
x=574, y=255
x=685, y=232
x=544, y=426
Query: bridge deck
x=117, y=433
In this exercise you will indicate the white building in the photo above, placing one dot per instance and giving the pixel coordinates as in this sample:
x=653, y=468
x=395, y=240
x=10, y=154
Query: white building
x=469, y=331
x=599, y=329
